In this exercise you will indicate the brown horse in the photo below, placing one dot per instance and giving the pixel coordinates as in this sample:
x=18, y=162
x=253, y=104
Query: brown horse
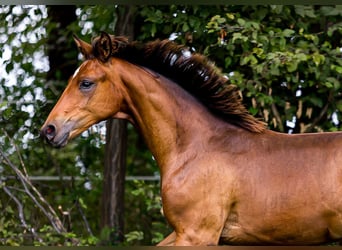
x=225, y=177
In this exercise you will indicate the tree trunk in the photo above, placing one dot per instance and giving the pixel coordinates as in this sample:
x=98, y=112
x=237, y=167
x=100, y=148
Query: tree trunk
x=62, y=62
x=112, y=216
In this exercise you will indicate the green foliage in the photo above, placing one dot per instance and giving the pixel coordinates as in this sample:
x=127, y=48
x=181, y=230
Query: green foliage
x=285, y=60
x=145, y=198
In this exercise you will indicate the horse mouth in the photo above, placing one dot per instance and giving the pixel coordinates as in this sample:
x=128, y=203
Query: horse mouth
x=60, y=142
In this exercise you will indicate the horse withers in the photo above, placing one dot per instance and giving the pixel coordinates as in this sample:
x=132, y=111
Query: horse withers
x=225, y=178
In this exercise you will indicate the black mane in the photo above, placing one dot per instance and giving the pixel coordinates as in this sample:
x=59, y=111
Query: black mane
x=196, y=74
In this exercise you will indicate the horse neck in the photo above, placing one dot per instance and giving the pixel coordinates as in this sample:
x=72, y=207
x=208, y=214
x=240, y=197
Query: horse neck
x=169, y=118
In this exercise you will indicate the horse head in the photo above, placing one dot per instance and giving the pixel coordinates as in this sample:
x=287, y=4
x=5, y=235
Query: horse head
x=90, y=96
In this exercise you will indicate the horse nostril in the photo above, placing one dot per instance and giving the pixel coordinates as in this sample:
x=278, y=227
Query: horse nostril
x=49, y=132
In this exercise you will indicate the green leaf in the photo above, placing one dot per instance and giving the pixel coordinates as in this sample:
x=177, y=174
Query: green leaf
x=185, y=27
x=305, y=11
x=3, y=104
x=259, y=52
x=134, y=235
x=332, y=82
x=239, y=36
x=292, y=66
x=241, y=22
x=329, y=85
x=301, y=56
x=337, y=68
x=249, y=59
x=221, y=20
x=318, y=58
x=253, y=111
x=274, y=69
x=282, y=43
x=231, y=16
x=153, y=29
x=228, y=61
x=288, y=32
x=7, y=113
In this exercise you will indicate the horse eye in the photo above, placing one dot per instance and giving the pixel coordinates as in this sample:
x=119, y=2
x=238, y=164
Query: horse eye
x=86, y=85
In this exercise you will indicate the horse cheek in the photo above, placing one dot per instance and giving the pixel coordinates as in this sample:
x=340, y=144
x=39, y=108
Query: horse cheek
x=107, y=106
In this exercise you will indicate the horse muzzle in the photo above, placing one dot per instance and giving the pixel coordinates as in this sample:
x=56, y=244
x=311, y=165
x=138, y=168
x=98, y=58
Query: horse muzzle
x=54, y=137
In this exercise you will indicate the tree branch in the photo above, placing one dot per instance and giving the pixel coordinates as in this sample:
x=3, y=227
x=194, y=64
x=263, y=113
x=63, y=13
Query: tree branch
x=21, y=213
x=84, y=218
x=277, y=117
x=49, y=212
x=321, y=114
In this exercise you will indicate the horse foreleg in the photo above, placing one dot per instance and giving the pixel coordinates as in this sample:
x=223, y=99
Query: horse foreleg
x=169, y=240
x=196, y=210
x=181, y=240
x=193, y=238
x=204, y=229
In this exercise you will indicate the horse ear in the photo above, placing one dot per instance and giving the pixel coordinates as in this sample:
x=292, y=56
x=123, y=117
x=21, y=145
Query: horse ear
x=103, y=47
x=84, y=47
